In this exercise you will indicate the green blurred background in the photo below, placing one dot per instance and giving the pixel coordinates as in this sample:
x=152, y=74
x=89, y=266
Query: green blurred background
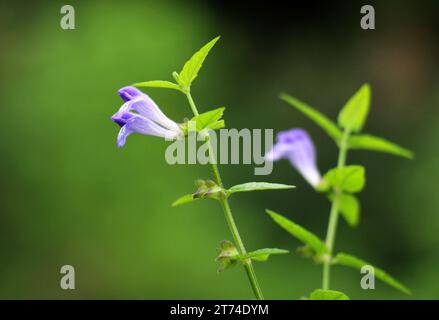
x=69, y=196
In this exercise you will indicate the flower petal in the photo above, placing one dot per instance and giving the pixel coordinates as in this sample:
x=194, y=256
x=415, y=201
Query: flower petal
x=143, y=126
x=277, y=152
x=140, y=114
x=146, y=107
x=121, y=117
x=296, y=145
x=129, y=93
x=124, y=132
x=302, y=150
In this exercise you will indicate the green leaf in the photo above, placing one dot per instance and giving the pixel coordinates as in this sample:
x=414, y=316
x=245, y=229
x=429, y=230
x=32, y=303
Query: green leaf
x=184, y=199
x=158, y=84
x=299, y=232
x=356, y=263
x=325, y=123
x=193, y=65
x=321, y=294
x=349, y=179
x=261, y=254
x=217, y=125
x=370, y=142
x=209, y=119
x=256, y=186
x=353, y=115
x=349, y=207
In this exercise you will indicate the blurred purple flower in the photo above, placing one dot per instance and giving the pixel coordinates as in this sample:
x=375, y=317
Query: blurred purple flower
x=140, y=114
x=296, y=145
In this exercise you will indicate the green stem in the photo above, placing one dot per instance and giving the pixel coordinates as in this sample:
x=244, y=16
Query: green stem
x=333, y=215
x=192, y=104
x=248, y=266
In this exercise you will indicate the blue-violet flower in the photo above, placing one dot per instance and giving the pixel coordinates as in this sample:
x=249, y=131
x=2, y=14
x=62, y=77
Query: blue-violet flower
x=140, y=114
x=296, y=146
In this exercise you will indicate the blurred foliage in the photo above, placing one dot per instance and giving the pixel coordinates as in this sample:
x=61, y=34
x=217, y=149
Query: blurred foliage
x=69, y=196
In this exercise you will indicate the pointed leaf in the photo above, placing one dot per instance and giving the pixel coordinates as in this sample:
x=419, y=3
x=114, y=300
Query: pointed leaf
x=261, y=254
x=209, y=119
x=299, y=232
x=354, y=113
x=256, y=186
x=321, y=120
x=193, y=65
x=370, y=142
x=158, y=84
x=321, y=294
x=349, y=207
x=349, y=178
x=217, y=125
x=184, y=199
x=356, y=263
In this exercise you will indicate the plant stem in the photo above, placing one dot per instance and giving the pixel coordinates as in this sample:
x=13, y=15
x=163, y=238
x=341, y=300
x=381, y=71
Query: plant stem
x=333, y=216
x=192, y=104
x=248, y=266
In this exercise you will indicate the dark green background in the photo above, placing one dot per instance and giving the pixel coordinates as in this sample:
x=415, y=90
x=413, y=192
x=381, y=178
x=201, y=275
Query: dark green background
x=69, y=196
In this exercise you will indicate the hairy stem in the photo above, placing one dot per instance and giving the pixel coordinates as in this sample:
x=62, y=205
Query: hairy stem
x=333, y=215
x=248, y=266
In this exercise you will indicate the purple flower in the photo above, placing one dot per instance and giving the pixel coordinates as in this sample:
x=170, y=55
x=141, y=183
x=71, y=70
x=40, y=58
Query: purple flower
x=296, y=145
x=140, y=114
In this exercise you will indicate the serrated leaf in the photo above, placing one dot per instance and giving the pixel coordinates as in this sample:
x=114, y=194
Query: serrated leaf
x=217, y=125
x=193, y=65
x=261, y=254
x=321, y=120
x=184, y=199
x=370, y=142
x=158, y=84
x=299, y=232
x=321, y=294
x=349, y=179
x=209, y=119
x=256, y=186
x=353, y=115
x=349, y=207
x=356, y=263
